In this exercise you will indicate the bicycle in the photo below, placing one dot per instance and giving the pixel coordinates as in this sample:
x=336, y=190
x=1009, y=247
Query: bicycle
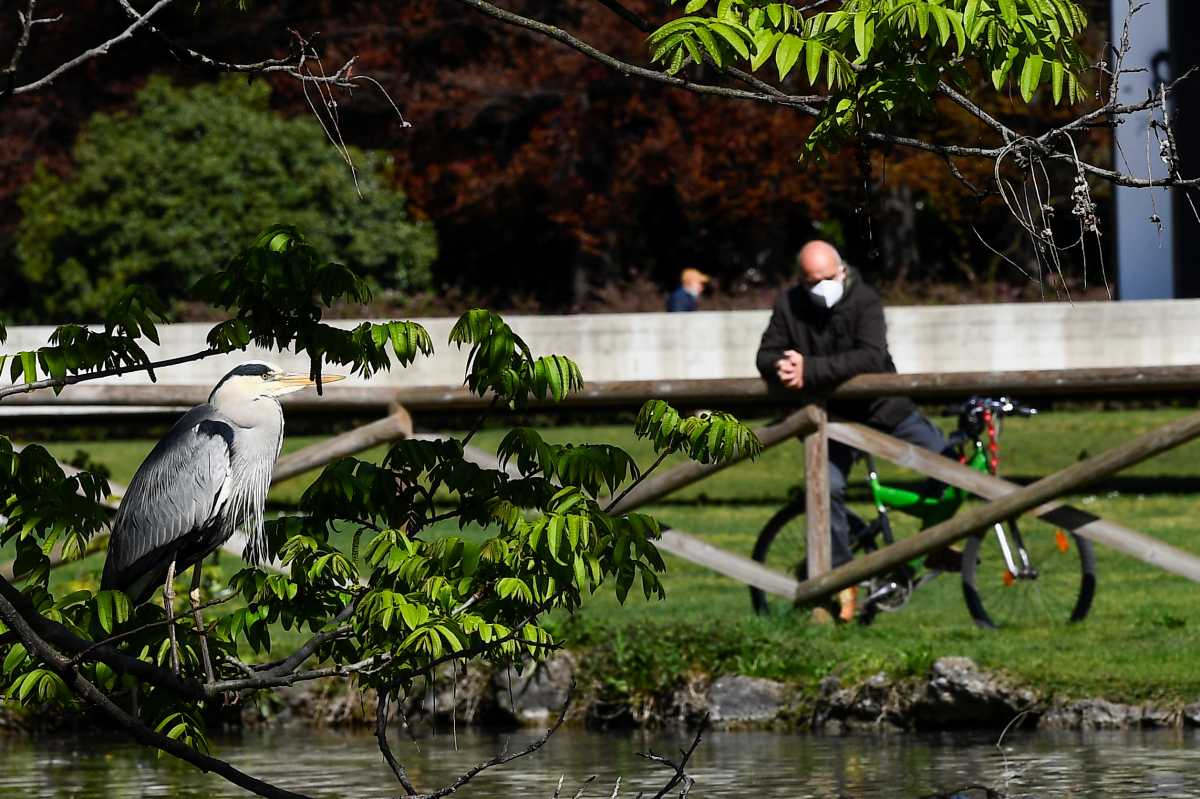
x=1007, y=578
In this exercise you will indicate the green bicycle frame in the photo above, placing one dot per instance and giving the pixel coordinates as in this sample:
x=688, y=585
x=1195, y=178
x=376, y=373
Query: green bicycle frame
x=930, y=510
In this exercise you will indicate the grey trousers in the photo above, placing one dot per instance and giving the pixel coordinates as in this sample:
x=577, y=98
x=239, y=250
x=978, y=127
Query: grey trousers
x=915, y=429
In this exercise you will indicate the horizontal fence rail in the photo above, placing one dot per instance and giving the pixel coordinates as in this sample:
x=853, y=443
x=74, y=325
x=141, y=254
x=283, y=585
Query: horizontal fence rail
x=1065, y=383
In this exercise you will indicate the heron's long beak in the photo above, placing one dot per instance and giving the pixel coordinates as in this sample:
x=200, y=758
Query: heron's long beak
x=294, y=381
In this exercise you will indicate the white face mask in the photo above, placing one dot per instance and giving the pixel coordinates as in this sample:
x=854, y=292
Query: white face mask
x=827, y=292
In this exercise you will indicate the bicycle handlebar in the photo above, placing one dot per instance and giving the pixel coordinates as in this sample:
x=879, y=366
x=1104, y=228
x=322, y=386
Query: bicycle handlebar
x=999, y=406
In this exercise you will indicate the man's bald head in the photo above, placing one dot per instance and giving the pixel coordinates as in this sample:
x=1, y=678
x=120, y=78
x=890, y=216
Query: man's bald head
x=819, y=260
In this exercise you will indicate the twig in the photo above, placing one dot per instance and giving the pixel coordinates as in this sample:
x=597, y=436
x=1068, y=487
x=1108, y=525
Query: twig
x=679, y=775
x=504, y=756
x=803, y=103
x=641, y=478
x=79, y=657
x=288, y=65
x=95, y=52
x=807, y=103
x=28, y=19
x=583, y=787
x=381, y=714
x=70, y=380
x=293, y=661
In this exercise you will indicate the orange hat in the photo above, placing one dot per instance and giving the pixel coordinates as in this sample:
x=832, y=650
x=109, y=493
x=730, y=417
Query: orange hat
x=693, y=274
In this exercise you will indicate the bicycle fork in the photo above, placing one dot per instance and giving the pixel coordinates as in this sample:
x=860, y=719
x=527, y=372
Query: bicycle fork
x=1019, y=567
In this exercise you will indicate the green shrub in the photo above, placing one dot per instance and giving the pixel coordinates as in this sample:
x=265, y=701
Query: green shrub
x=166, y=193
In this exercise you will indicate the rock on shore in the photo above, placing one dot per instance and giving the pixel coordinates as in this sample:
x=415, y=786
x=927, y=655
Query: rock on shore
x=954, y=694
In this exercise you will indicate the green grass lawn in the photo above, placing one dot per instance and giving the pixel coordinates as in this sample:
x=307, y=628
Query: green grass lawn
x=1140, y=641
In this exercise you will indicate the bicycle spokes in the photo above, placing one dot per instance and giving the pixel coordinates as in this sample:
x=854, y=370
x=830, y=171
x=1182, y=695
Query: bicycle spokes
x=1010, y=579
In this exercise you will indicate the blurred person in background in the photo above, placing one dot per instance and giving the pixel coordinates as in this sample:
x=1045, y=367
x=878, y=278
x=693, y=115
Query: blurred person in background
x=687, y=296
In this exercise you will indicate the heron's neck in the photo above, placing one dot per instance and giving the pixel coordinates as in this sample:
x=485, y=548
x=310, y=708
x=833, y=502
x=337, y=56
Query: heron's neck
x=253, y=414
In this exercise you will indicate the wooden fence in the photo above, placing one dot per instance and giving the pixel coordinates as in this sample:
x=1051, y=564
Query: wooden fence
x=809, y=422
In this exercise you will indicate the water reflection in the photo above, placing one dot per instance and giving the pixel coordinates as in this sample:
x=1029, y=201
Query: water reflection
x=329, y=764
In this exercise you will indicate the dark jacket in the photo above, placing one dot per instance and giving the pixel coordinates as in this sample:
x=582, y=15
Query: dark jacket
x=837, y=343
x=681, y=300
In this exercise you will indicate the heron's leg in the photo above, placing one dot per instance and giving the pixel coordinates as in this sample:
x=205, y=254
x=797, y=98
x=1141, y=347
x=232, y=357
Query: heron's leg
x=169, y=606
x=194, y=598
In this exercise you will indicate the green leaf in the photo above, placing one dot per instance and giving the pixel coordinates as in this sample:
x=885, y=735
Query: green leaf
x=764, y=44
x=812, y=60
x=693, y=49
x=733, y=37
x=554, y=527
x=864, y=34
x=710, y=45
x=942, y=21
x=112, y=608
x=969, y=17
x=1056, y=73
x=1008, y=12
x=15, y=657
x=960, y=33
x=922, y=18
x=1030, y=74
x=104, y=611
x=694, y=5
x=787, y=52
x=29, y=366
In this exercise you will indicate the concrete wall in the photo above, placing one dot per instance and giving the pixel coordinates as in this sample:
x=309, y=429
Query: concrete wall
x=722, y=344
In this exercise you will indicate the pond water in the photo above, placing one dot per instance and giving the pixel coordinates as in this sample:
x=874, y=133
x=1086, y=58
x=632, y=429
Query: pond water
x=762, y=765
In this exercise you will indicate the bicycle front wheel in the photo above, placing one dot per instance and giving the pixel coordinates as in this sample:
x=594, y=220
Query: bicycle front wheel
x=1055, y=586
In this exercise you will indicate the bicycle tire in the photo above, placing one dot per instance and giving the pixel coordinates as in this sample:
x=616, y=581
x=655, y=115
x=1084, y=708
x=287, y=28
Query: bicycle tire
x=782, y=545
x=996, y=599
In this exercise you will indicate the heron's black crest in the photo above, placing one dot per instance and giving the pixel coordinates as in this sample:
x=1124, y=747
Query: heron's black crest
x=250, y=369
x=243, y=370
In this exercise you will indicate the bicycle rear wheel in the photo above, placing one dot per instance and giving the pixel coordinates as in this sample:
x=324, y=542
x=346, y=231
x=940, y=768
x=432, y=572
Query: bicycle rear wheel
x=1059, y=586
x=783, y=546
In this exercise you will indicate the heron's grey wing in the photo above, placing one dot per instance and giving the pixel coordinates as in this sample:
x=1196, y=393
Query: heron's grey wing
x=177, y=492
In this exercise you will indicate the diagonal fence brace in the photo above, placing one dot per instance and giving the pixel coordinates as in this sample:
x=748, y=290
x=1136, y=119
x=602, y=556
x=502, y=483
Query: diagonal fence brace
x=1018, y=501
x=1123, y=539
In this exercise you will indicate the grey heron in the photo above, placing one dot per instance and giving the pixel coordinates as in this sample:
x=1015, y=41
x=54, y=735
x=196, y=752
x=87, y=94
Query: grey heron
x=208, y=476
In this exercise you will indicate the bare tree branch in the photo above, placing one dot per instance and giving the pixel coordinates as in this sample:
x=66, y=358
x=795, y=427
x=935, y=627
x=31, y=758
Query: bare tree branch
x=96, y=52
x=806, y=104
x=504, y=756
x=381, y=714
x=69, y=672
x=61, y=637
x=28, y=19
x=803, y=103
x=70, y=380
x=302, y=653
x=679, y=775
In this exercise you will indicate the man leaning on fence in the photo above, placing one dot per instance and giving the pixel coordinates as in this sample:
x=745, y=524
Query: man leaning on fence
x=824, y=331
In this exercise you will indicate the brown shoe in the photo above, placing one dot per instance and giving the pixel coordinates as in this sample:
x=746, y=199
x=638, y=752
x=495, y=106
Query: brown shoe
x=946, y=559
x=848, y=600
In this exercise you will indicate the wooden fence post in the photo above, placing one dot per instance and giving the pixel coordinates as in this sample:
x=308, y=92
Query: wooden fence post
x=816, y=503
x=816, y=495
